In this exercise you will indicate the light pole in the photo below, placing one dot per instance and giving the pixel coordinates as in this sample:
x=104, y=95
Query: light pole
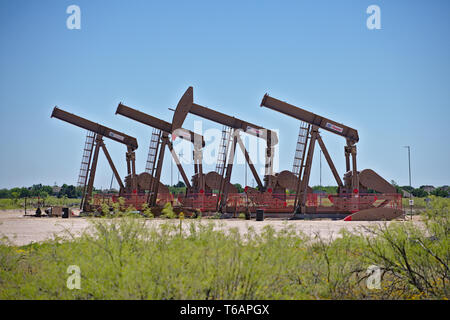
x=320, y=162
x=180, y=154
x=245, y=184
x=410, y=186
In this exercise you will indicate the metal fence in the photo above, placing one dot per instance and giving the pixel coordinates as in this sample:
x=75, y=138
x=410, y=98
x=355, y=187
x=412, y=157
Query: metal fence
x=250, y=202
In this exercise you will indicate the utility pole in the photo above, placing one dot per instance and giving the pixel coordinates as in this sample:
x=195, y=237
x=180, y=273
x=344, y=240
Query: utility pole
x=245, y=184
x=411, y=201
x=180, y=155
x=320, y=166
x=110, y=185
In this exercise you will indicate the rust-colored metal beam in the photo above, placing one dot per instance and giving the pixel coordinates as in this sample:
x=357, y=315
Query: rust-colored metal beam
x=113, y=167
x=249, y=162
x=95, y=127
x=355, y=176
x=187, y=105
x=178, y=163
x=157, y=123
x=166, y=129
x=330, y=162
x=311, y=118
x=132, y=157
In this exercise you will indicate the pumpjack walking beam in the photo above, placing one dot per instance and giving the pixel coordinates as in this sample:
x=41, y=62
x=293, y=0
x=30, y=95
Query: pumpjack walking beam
x=187, y=105
x=102, y=132
x=166, y=128
x=317, y=122
x=337, y=128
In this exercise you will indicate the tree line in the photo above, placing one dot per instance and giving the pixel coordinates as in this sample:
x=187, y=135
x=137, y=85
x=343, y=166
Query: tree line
x=421, y=192
x=43, y=191
x=71, y=191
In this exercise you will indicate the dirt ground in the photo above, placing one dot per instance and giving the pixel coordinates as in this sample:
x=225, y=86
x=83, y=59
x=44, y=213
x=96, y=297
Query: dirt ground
x=22, y=230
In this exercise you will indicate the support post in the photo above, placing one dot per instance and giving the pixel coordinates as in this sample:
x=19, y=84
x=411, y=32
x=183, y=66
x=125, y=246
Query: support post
x=355, y=177
x=111, y=164
x=133, y=171
x=180, y=168
x=347, y=150
x=198, y=159
x=87, y=196
x=330, y=162
x=250, y=163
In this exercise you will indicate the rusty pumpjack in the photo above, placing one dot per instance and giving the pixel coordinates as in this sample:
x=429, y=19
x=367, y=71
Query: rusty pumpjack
x=160, y=139
x=101, y=132
x=351, y=198
x=274, y=184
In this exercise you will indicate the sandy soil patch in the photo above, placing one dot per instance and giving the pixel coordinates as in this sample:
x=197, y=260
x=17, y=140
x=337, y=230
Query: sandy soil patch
x=22, y=230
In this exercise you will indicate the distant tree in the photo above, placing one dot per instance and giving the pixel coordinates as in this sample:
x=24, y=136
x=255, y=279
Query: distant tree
x=79, y=191
x=440, y=192
x=24, y=192
x=408, y=188
x=239, y=187
x=35, y=190
x=398, y=189
x=15, y=195
x=180, y=184
x=47, y=189
x=43, y=194
x=69, y=191
x=326, y=189
x=419, y=193
x=5, y=193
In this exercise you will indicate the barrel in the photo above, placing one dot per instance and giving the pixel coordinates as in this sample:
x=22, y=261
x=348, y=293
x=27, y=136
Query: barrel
x=65, y=212
x=259, y=214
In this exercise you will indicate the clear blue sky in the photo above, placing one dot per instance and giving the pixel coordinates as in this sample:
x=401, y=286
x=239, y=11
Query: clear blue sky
x=392, y=85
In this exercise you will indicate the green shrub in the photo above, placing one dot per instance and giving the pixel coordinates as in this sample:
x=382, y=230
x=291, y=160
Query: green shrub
x=167, y=211
x=146, y=211
x=125, y=258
